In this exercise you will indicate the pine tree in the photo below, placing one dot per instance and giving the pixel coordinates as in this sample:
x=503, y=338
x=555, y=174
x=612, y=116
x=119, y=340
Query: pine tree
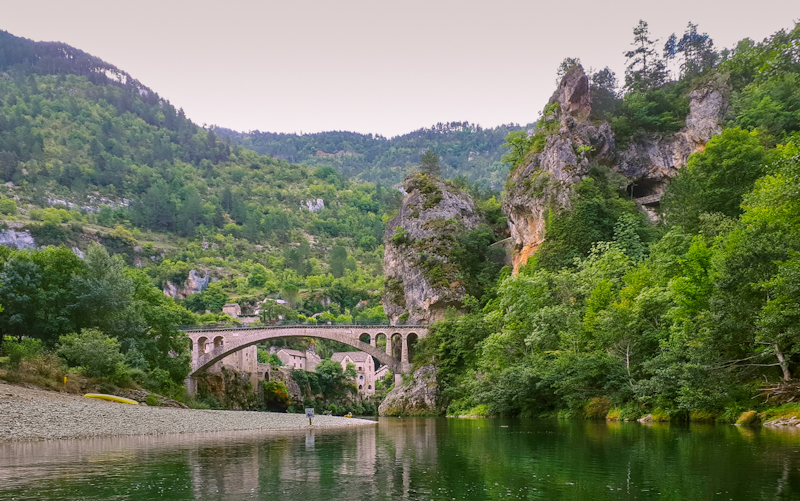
x=429, y=163
x=645, y=68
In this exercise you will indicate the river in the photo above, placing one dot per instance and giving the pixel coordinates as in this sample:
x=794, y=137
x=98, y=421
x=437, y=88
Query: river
x=418, y=459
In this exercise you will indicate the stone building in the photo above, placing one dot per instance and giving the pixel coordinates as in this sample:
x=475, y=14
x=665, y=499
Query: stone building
x=365, y=369
x=232, y=309
x=295, y=359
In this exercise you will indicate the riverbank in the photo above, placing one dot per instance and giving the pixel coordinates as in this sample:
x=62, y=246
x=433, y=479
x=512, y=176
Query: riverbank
x=31, y=414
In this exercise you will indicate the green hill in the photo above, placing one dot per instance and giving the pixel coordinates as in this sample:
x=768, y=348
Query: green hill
x=466, y=150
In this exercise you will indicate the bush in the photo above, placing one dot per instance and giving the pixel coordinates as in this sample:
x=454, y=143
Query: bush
x=597, y=408
x=276, y=396
x=97, y=353
x=152, y=401
x=25, y=349
x=8, y=207
x=747, y=418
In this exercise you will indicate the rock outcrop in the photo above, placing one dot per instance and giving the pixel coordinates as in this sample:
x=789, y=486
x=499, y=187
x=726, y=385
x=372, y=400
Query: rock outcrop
x=419, y=397
x=194, y=283
x=544, y=179
x=573, y=143
x=421, y=279
x=653, y=161
x=17, y=239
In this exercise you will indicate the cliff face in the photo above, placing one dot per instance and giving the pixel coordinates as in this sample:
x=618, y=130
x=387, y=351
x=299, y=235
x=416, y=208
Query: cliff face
x=421, y=279
x=194, y=283
x=654, y=161
x=544, y=179
x=420, y=397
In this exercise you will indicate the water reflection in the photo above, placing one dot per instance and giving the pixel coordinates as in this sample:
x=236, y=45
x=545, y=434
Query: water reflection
x=417, y=459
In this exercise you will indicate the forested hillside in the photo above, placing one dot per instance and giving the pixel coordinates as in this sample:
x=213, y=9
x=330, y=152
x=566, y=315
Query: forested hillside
x=466, y=150
x=89, y=154
x=692, y=317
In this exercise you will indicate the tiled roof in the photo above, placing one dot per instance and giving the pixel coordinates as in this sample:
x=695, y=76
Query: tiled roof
x=355, y=356
x=292, y=352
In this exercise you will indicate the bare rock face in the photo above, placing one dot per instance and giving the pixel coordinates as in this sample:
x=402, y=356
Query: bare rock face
x=544, y=180
x=421, y=281
x=653, y=161
x=17, y=239
x=573, y=95
x=194, y=283
x=420, y=397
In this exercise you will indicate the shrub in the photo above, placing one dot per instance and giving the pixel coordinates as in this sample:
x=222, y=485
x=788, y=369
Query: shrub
x=97, y=353
x=152, y=400
x=747, y=418
x=25, y=349
x=276, y=396
x=8, y=207
x=597, y=408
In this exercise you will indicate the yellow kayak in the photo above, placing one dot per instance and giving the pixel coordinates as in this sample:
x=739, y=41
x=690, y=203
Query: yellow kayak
x=111, y=398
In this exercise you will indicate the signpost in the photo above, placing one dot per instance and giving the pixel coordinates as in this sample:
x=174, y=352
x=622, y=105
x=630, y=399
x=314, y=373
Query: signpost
x=309, y=414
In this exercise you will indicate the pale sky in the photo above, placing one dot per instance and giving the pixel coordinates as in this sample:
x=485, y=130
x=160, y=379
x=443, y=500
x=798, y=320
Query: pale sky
x=381, y=66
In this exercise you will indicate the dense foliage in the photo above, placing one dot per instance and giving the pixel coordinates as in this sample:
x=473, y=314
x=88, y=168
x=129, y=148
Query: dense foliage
x=688, y=320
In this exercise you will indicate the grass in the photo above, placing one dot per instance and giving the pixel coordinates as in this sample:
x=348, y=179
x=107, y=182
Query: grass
x=781, y=411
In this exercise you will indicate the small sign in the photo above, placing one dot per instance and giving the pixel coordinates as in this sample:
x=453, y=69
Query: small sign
x=309, y=412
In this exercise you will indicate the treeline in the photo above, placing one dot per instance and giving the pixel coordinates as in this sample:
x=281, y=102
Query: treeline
x=466, y=150
x=688, y=319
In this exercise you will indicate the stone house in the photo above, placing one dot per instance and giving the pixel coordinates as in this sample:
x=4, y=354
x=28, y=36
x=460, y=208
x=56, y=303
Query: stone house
x=232, y=309
x=365, y=369
x=381, y=372
x=295, y=359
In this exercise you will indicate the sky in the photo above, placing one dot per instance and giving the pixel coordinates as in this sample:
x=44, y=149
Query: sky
x=379, y=66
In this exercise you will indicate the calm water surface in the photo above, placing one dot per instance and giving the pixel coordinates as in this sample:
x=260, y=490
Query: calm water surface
x=419, y=459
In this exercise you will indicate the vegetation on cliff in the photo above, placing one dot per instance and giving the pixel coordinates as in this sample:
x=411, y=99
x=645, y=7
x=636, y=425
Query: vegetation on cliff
x=688, y=318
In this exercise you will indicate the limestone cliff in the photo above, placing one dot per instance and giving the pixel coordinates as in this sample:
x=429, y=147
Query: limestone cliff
x=543, y=180
x=421, y=279
x=572, y=143
x=194, y=283
x=418, y=397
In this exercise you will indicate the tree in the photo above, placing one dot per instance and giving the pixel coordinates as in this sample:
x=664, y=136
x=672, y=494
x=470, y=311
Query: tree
x=96, y=353
x=716, y=179
x=338, y=261
x=291, y=293
x=429, y=164
x=20, y=279
x=645, y=69
x=698, y=51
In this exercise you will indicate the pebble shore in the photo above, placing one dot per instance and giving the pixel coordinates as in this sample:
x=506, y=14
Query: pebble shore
x=31, y=414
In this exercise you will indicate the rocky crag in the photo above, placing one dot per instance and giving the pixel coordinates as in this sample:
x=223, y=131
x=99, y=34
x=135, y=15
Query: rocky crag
x=418, y=397
x=421, y=278
x=194, y=283
x=571, y=143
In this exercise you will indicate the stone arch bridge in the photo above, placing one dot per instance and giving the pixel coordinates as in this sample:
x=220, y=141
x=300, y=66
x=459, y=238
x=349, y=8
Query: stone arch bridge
x=209, y=346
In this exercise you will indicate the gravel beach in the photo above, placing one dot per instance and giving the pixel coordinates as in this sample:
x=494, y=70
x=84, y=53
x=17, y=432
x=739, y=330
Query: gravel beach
x=31, y=414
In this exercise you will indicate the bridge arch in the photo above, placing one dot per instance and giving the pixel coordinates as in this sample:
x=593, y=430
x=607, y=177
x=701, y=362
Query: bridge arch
x=235, y=339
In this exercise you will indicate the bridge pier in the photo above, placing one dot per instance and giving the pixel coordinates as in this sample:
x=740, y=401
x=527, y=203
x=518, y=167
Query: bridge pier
x=191, y=386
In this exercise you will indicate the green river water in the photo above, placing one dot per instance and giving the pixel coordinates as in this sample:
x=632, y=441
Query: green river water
x=419, y=459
